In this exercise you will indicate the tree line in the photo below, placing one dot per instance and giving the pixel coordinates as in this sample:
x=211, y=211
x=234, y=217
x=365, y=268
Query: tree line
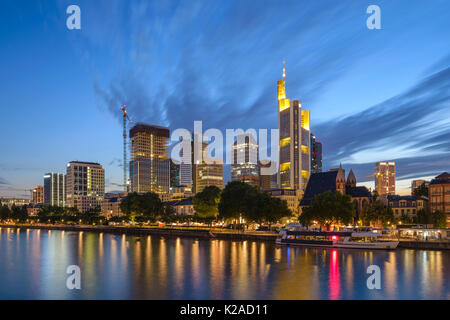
x=237, y=201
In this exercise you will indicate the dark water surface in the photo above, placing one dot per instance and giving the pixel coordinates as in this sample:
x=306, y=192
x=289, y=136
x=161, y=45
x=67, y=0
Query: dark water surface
x=33, y=265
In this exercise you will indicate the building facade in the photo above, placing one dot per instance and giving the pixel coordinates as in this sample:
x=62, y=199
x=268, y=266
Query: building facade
x=267, y=181
x=406, y=205
x=37, y=195
x=10, y=202
x=316, y=155
x=335, y=180
x=150, y=164
x=416, y=183
x=55, y=193
x=385, y=178
x=291, y=196
x=439, y=195
x=294, y=141
x=182, y=207
x=174, y=174
x=244, y=157
x=251, y=180
x=85, y=185
x=208, y=174
x=111, y=205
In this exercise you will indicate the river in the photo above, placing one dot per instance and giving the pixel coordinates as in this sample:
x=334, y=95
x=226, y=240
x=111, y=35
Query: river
x=33, y=265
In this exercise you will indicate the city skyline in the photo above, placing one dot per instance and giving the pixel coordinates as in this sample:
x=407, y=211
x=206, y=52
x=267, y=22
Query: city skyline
x=388, y=100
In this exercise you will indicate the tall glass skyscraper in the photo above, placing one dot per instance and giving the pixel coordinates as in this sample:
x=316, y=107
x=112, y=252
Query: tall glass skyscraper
x=294, y=144
x=316, y=155
x=245, y=157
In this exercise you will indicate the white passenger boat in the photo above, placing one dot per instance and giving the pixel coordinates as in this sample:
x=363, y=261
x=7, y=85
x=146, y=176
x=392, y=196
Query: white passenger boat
x=356, y=239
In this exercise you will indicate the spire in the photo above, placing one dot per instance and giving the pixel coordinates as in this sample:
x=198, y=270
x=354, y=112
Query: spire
x=284, y=69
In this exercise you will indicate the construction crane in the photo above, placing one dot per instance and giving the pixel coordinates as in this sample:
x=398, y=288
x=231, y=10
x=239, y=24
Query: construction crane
x=126, y=120
x=378, y=178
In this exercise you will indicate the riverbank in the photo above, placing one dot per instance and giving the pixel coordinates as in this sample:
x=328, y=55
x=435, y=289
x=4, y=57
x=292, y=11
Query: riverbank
x=166, y=231
x=203, y=234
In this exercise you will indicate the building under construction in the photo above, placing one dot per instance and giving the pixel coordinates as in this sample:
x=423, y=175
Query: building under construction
x=149, y=158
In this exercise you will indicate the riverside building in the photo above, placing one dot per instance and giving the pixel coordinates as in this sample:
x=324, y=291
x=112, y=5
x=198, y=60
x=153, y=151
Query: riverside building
x=85, y=185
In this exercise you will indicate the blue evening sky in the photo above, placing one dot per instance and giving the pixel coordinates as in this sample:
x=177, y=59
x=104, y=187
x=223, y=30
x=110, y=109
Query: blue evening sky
x=373, y=94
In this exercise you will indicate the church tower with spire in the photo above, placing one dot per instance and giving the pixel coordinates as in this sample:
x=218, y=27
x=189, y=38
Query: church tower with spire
x=294, y=148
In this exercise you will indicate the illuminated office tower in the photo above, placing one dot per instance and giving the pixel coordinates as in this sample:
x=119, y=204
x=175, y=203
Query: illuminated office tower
x=294, y=144
x=205, y=171
x=150, y=164
x=245, y=158
x=55, y=189
x=385, y=177
x=85, y=185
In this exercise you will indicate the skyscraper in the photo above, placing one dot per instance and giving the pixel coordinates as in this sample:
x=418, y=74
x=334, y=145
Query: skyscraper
x=205, y=171
x=316, y=155
x=245, y=158
x=149, y=165
x=294, y=144
x=55, y=189
x=385, y=177
x=85, y=185
x=174, y=174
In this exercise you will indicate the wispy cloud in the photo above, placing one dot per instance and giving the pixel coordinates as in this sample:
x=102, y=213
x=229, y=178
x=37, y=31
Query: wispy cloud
x=415, y=123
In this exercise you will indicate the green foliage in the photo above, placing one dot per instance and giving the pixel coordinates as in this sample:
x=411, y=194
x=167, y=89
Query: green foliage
x=206, y=202
x=328, y=208
x=423, y=217
x=405, y=219
x=5, y=213
x=240, y=199
x=439, y=219
x=421, y=191
x=147, y=204
x=377, y=212
x=237, y=199
x=19, y=213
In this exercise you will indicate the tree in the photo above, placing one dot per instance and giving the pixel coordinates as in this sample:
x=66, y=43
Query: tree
x=206, y=202
x=236, y=201
x=404, y=218
x=377, y=212
x=150, y=204
x=329, y=207
x=439, y=219
x=423, y=217
x=19, y=213
x=277, y=209
x=147, y=204
x=130, y=206
x=5, y=213
x=421, y=191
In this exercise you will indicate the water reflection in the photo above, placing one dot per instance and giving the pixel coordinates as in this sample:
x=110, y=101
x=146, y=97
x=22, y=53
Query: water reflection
x=33, y=266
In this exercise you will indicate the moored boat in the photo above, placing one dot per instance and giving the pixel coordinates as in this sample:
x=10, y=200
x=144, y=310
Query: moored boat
x=356, y=239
